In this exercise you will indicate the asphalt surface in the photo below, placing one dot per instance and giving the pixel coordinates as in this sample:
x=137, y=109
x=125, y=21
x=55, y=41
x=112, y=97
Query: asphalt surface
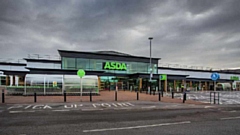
x=183, y=120
x=225, y=97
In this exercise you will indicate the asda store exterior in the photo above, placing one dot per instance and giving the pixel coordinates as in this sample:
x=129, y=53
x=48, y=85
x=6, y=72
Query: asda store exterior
x=105, y=70
x=113, y=69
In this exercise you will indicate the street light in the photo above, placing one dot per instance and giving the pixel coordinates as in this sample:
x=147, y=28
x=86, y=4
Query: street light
x=150, y=38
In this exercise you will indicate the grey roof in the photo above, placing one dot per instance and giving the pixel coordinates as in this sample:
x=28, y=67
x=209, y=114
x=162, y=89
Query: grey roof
x=112, y=52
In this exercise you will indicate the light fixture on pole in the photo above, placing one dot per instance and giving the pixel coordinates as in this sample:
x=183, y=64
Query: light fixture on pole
x=150, y=38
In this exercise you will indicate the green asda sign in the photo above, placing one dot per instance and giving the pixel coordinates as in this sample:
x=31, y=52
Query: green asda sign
x=114, y=66
x=235, y=78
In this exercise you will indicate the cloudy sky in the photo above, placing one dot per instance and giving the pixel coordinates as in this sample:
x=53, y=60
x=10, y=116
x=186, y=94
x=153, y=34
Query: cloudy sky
x=187, y=32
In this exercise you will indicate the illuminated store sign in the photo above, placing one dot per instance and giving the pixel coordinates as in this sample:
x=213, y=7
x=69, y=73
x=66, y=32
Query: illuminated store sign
x=114, y=66
x=235, y=78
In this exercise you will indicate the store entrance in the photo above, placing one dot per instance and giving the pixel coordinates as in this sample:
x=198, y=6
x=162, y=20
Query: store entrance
x=113, y=82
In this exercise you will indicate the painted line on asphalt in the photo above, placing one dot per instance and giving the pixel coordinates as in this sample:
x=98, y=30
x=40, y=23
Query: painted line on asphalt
x=60, y=110
x=136, y=127
x=123, y=108
x=19, y=111
x=230, y=118
x=208, y=106
x=236, y=101
x=91, y=109
x=230, y=111
x=148, y=107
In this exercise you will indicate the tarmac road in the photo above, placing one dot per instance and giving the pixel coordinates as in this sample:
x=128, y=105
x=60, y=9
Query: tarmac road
x=183, y=121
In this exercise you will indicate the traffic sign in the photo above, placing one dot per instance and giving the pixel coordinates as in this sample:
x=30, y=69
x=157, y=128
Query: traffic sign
x=215, y=76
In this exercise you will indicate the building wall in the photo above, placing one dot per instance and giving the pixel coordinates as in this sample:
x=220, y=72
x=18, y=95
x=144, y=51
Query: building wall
x=195, y=74
x=13, y=68
x=44, y=65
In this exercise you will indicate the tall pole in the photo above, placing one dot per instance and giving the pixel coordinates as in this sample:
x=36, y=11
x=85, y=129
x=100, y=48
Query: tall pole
x=150, y=38
x=81, y=85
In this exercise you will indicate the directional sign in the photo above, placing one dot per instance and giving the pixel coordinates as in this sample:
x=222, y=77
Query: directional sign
x=163, y=77
x=215, y=76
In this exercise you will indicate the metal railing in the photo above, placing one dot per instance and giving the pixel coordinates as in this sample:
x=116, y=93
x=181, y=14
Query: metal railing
x=48, y=57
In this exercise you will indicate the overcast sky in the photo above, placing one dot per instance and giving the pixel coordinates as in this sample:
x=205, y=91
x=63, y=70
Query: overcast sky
x=187, y=32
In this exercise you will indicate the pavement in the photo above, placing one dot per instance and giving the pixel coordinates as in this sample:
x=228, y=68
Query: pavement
x=105, y=96
x=225, y=97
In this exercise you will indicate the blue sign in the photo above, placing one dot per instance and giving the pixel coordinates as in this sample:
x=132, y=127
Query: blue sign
x=215, y=76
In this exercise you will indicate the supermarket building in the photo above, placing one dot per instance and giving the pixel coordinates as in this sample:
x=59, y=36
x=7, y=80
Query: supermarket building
x=105, y=70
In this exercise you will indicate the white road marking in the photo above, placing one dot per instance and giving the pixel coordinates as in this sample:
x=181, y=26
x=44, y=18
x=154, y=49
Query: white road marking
x=19, y=111
x=60, y=110
x=136, y=127
x=28, y=106
x=148, y=107
x=230, y=111
x=208, y=106
x=122, y=108
x=91, y=109
x=236, y=101
x=230, y=118
x=19, y=106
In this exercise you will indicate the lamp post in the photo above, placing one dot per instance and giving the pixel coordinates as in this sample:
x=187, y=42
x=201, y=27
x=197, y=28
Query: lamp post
x=150, y=38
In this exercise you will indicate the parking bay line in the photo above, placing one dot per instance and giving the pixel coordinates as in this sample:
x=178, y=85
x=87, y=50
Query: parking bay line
x=137, y=127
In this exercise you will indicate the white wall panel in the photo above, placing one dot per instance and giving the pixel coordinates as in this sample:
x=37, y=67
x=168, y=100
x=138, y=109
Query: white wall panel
x=15, y=68
x=44, y=65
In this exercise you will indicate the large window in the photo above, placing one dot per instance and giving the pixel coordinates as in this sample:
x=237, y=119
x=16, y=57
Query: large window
x=82, y=63
x=97, y=65
x=69, y=63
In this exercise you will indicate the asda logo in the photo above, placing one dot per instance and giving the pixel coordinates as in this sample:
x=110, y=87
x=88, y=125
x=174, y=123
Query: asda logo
x=114, y=66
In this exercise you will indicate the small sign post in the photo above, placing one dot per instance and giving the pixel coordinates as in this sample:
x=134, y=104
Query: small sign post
x=81, y=74
x=162, y=77
x=215, y=77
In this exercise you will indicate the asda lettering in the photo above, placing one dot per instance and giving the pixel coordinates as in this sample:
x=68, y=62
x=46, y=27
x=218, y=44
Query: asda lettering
x=114, y=66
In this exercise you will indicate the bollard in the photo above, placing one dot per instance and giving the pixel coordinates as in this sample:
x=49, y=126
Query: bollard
x=64, y=94
x=90, y=95
x=35, y=97
x=137, y=95
x=115, y=95
x=210, y=97
x=159, y=96
x=172, y=95
x=214, y=98
x=154, y=92
x=3, y=98
x=150, y=92
x=184, y=97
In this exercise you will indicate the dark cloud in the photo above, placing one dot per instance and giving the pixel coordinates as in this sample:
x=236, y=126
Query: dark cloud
x=188, y=32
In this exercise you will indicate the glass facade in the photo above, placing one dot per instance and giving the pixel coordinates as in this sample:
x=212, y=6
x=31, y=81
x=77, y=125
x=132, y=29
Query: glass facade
x=98, y=64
